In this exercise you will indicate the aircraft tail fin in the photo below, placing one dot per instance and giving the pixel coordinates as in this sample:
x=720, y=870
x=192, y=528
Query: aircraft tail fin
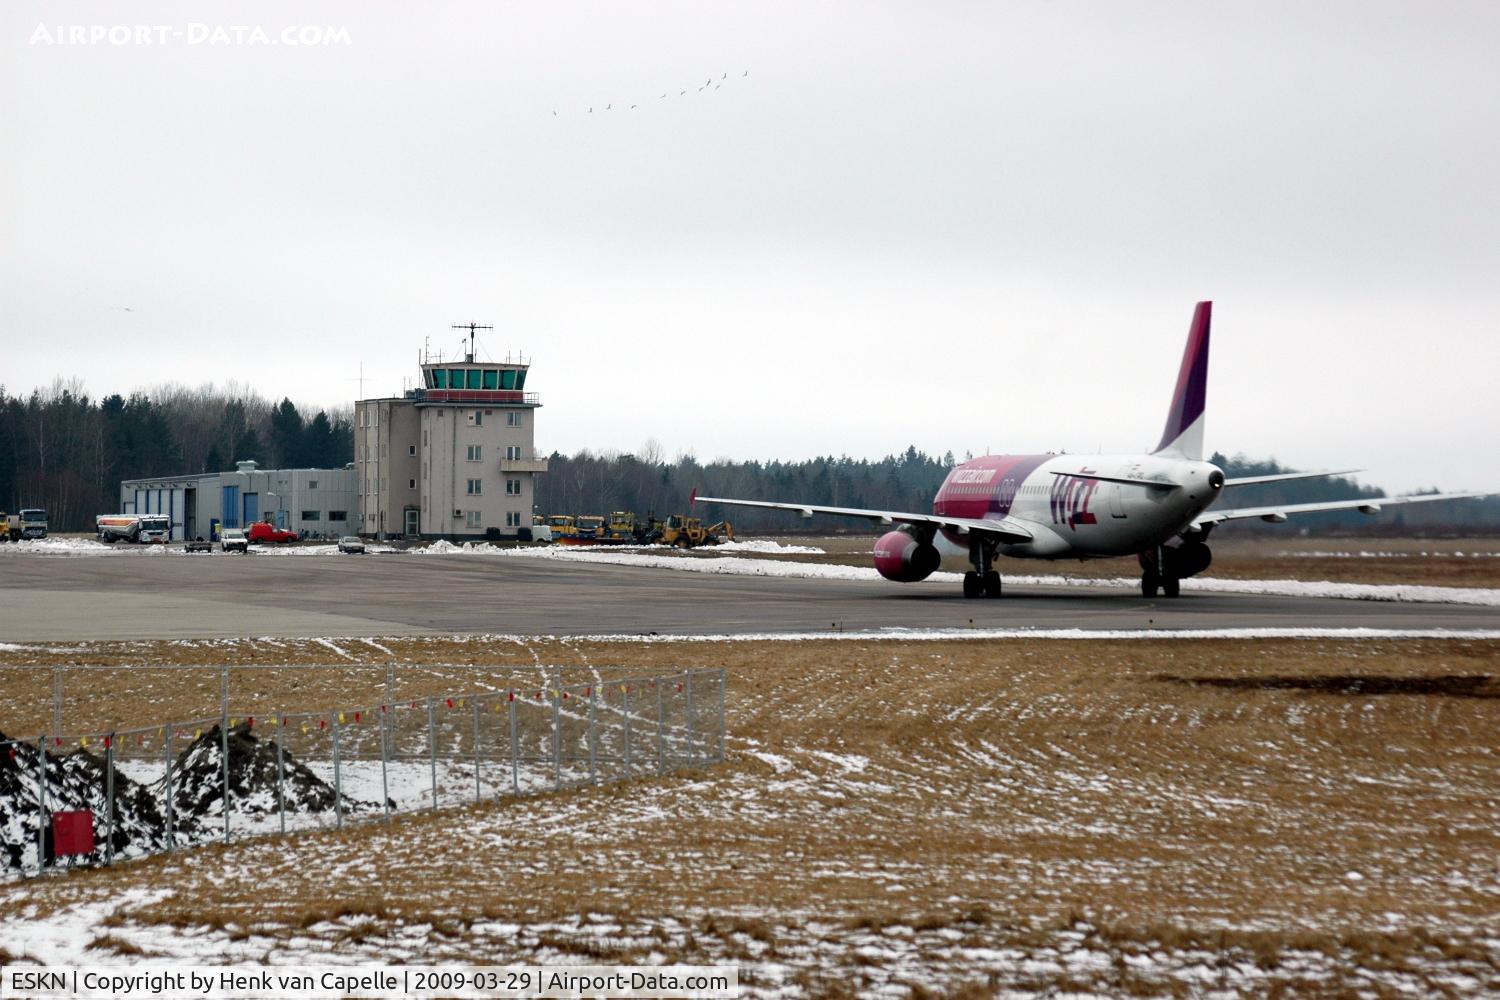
x=1183, y=435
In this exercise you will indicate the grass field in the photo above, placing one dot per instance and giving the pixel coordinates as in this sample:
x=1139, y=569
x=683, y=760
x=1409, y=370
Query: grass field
x=1146, y=817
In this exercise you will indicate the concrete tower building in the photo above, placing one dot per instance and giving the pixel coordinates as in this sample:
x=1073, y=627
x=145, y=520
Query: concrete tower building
x=452, y=459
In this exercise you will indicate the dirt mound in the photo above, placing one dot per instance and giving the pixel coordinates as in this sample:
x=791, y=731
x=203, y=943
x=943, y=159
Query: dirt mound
x=198, y=778
x=76, y=779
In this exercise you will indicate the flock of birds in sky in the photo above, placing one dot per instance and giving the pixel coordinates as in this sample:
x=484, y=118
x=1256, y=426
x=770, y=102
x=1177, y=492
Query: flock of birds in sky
x=710, y=85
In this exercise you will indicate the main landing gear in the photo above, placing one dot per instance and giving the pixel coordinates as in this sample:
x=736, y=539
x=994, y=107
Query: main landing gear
x=982, y=580
x=1164, y=567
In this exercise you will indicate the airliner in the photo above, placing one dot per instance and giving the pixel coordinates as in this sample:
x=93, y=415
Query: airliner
x=1157, y=507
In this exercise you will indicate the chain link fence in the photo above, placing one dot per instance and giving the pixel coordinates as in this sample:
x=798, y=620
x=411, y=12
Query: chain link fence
x=92, y=798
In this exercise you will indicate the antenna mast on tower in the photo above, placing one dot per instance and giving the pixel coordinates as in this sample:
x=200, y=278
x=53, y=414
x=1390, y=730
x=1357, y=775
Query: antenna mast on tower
x=471, y=327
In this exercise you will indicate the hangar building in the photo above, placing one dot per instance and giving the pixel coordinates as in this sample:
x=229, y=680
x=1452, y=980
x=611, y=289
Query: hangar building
x=317, y=501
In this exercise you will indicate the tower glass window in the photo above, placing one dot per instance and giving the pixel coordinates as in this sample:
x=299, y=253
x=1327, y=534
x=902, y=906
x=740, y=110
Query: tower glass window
x=491, y=378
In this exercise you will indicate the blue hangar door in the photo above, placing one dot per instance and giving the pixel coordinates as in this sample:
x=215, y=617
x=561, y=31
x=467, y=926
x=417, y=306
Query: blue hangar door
x=252, y=508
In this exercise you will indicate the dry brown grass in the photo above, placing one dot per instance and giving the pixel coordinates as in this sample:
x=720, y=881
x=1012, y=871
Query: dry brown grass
x=1146, y=797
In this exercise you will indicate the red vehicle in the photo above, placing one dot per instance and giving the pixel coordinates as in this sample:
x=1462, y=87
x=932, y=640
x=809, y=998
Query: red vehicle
x=265, y=531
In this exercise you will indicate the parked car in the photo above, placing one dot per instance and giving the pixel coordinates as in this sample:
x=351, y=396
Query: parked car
x=352, y=544
x=198, y=544
x=233, y=540
x=265, y=531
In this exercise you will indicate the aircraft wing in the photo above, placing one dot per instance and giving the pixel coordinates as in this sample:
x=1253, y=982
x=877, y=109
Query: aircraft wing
x=1004, y=529
x=1278, y=513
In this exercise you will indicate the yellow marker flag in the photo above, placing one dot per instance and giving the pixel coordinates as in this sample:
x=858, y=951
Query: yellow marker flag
x=233, y=723
x=197, y=733
x=84, y=742
x=460, y=703
x=341, y=718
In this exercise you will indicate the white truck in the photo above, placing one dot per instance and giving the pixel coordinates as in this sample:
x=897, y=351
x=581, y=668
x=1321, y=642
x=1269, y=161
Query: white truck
x=133, y=527
x=30, y=522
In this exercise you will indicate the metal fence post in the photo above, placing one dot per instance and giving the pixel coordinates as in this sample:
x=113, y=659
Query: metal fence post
x=661, y=731
x=692, y=747
x=338, y=785
x=109, y=799
x=556, y=738
x=432, y=749
x=723, y=683
x=625, y=691
x=171, y=817
x=593, y=736
x=224, y=749
x=41, y=802
x=477, y=793
x=386, y=710
x=515, y=763
x=281, y=774
x=57, y=700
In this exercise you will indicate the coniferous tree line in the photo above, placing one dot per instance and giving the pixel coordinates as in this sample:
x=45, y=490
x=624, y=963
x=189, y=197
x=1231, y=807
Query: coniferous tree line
x=62, y=450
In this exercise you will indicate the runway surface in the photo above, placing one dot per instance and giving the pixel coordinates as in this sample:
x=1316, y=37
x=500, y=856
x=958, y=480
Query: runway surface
x=60, y=598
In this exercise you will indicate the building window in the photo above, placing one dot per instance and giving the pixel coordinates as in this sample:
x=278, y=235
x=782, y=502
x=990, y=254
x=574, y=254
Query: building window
x=478, y=417
x=491, y=378
x=512, y=519
x=513, y=451
x=512, y=487
x=338, y=515
x=473, y=487
x=471, y=519
x=312, y=515
x=513, y=418
x=312, y=484
x=411, y=484
x=411, y=449
x=474, y=450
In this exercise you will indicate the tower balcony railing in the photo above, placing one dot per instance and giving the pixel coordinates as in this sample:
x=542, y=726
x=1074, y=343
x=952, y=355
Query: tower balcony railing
x=487, y=397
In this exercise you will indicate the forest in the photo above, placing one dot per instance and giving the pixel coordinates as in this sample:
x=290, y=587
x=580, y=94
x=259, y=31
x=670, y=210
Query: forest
x=64, y=451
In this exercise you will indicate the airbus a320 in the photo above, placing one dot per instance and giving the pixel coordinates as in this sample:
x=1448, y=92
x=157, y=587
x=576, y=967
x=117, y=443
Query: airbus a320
x=1157, y=506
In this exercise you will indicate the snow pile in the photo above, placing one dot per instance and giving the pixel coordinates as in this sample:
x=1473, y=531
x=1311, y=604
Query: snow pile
x=59, y=547
x=766, y=545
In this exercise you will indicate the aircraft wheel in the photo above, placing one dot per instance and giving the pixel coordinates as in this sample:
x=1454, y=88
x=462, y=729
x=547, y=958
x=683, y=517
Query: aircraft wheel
x=992, y=584
x=973, y=585
x=1171, y=586
x=1149, y=584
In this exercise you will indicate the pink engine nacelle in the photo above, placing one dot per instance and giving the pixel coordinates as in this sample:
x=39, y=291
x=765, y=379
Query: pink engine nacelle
x=900, y=557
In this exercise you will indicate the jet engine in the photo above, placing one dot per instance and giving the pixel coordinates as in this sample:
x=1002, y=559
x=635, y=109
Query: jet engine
x=904, y=559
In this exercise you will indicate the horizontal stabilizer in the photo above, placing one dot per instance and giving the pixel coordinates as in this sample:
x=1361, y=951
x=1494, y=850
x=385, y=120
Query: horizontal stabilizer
x=1284, y=476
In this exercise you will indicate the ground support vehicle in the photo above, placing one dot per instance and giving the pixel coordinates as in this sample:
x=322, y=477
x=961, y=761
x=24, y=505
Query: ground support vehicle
x=134, y=528
x=265, y=531
x=689, y=532
x=562, y=526
x=622, y=527
x=234, y=540
x=199, y=544
x=29, y=522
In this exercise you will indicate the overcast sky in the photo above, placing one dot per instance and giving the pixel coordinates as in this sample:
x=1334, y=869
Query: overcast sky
x=965, y=226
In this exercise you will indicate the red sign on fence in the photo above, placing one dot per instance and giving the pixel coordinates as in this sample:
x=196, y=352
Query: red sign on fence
x=73, y=832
